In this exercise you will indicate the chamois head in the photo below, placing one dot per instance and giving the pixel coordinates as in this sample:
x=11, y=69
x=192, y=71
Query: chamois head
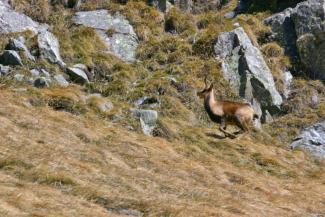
x=207, y=89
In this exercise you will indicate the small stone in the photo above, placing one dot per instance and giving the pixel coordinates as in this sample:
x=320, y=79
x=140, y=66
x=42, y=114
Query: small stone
x=35, y=73
x=10, y=57
x=150, y=101
x=148, y=120
x=41, y=82
x=4, y=70
x=230, y=15
x=77, y=75
x=19, y=77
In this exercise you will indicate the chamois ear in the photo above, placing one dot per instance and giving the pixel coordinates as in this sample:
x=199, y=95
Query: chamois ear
x=211, y=87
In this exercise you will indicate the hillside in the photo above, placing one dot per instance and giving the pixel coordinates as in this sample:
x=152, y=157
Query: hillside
x=126, y=135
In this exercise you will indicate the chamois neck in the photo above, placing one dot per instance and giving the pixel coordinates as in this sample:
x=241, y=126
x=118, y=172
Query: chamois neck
x=210, y=105
x=209, y=99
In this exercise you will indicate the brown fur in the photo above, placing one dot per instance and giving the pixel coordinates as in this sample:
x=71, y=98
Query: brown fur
x=227, y=113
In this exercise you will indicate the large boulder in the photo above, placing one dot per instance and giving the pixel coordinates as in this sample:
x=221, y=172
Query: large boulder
x=10, y=58
x=115, y=31
x=148, y=120
x=12, y=21
x=244, y=67
x=49, y=48
x=301, y=31
x=312, y=139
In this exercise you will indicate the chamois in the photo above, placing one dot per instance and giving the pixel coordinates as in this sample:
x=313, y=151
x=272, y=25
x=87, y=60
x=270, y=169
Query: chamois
x=226, y=112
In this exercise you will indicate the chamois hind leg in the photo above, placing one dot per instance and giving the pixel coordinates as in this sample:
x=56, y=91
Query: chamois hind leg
x=223, y=126
x=242, y=124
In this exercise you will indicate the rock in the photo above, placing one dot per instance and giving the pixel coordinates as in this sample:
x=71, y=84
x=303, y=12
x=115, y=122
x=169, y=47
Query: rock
x=12, y=21
x=230, y=15
x=41, y=82
x=61, y=81
x=150, y=101
x=35, y=73
x=11, y=58
x=148, y=120
x=77, y=75
x=19, y=45
x=244, y=67
x=19, y=77
x=300, y=30
x=312, y=139
x=122, y=40
x=4, y=70
x=49, y=48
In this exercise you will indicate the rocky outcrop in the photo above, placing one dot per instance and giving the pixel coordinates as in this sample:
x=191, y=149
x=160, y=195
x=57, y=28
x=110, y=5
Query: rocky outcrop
x=49, y=48
x=10, y=58
x=301, y=31
x=148, y=120
x=312, y=139
x=115, y=31
x=244, y=67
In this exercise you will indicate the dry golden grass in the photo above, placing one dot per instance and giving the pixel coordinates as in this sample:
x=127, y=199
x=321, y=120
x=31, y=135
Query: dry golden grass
x=54, y=163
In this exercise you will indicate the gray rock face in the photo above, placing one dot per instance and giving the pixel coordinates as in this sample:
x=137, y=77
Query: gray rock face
x=18, y=44
x=312, y=139
x=301, y=31
x=77, y=74
x=148, y=120
x=243, y=65
x=49, y=47
x=10, y=58
x=122, y=41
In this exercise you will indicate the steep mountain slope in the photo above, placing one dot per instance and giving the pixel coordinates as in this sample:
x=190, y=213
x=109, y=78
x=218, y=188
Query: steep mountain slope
x=75, y=147
x=54, y=163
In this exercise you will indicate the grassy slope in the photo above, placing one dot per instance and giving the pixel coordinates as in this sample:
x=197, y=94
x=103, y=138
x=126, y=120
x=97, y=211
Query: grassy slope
x=81, y=163
x=54, y=163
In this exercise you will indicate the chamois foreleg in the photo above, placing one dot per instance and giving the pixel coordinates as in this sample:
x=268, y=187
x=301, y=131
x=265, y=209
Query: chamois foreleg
x=223, y=126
